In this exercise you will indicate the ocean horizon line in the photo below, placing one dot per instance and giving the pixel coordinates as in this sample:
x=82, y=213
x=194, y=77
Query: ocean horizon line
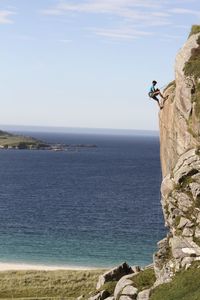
x=79, y=130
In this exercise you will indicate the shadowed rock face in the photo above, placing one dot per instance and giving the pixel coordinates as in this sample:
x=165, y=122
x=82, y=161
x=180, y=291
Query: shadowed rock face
x=180, y=159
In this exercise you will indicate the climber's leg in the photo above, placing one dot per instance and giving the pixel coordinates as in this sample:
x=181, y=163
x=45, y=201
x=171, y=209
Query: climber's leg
x=157, y=100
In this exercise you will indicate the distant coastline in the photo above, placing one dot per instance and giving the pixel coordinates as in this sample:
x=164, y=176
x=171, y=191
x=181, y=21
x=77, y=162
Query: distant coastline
x=10, y=141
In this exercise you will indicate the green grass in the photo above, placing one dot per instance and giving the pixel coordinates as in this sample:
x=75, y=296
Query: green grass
x=177, y=221
x=109, y=286
x=192, y=66
x=194, y=30
x=47, y=284
x=7, y=139
x=196, y=98
x=184, y=286
x=184, y=183
x=144, y=280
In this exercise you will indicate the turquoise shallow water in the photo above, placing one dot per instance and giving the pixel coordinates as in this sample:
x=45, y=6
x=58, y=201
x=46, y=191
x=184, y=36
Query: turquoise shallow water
x=89, y=207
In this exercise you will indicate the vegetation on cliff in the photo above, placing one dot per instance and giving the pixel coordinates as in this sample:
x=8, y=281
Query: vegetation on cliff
x=194, y=30
x=184, y=286
x=192, y=66
x=192, y=69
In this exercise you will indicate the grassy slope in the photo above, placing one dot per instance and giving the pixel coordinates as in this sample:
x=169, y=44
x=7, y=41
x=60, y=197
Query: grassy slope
x=14, y=140
x=47, y=284
x=71, y=284
x=143, y=280
x=184, y=286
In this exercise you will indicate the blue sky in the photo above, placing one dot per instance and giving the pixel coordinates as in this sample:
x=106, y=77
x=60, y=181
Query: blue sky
x=88, y=63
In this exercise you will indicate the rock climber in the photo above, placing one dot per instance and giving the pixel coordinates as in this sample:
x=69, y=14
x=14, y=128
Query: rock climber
x=154, y=92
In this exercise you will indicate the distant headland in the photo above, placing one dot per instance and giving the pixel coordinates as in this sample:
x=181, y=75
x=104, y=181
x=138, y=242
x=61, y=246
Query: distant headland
x=9, y=141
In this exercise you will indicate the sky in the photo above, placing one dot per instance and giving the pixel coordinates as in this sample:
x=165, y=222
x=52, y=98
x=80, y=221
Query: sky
x=88, y=63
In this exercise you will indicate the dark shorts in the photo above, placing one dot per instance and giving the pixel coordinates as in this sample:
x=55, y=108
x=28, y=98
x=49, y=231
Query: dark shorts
x=153, y=97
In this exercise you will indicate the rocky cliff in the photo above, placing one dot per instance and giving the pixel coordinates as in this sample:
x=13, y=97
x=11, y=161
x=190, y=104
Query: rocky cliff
x=180, y=189
x=180, y=159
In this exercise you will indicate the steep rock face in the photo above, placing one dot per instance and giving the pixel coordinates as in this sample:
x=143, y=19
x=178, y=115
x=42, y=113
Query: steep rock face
x=180, y=159
x=176, y=134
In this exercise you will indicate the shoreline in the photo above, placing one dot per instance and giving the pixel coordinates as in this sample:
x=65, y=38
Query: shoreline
x=6, y=266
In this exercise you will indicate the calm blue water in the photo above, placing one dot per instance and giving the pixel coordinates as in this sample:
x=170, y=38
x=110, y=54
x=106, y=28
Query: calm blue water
x=93, y=207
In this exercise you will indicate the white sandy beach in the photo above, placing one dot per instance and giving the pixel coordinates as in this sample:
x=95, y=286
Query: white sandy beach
x=24, y=266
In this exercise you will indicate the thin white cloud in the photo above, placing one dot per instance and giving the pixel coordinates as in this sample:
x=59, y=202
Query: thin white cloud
x=5, y=16
x=128, y=9
x=160, y=14
x=117, y=7
x=147, y=13
x=143, y=14
x=123, y=33
x=184, y=11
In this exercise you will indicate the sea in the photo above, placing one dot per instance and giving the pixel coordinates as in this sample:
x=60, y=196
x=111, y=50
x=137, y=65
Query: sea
x=86, y=207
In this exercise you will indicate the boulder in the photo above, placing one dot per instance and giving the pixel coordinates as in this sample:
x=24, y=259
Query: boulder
x=144, y=295
x=184, y=201
x=184, y=223
x=130, y=291
x=196, y=178
x=122, y=283
x=186, y=262
x=136, y=269
x=114, y=274
x=96, y=297
x=188, y=232
x=183, y=246
x=126, y=298
x=195, y=189
x=167, y=186
x=100, y=296
x=187, y=165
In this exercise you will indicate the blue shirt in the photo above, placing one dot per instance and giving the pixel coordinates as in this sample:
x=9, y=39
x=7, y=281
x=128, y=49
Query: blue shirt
x=152, y=89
